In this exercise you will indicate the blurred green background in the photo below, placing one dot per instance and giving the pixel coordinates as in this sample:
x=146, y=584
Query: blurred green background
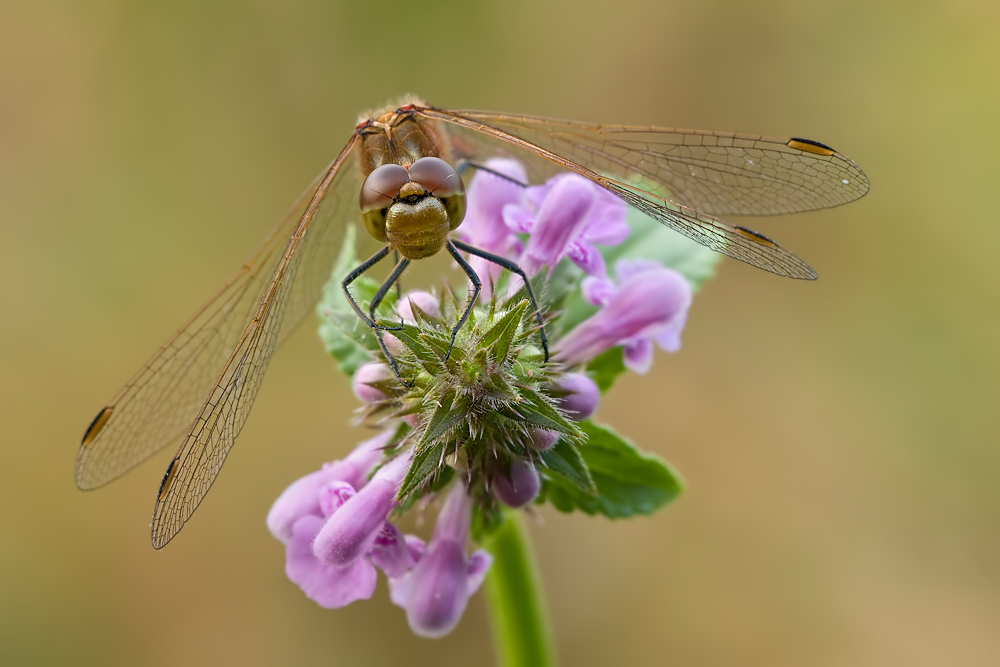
x=840, y=438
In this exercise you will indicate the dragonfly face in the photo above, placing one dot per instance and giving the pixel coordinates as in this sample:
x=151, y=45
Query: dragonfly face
x=200, y=385
x=414, y=208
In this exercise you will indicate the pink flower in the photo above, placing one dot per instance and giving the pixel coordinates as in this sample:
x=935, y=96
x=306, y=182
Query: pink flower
x=565, y=217
x=425, y=301
x=483, y=226
x=336, y=585
x=437, y=590
x=353, y=528
x=301, y=498
x=650, y=303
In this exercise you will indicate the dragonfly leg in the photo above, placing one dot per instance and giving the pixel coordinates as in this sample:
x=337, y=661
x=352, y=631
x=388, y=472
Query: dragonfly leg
x=354, y=275
x=399, y=287
x=477, y=286
x=513, y=268
x=376, y=300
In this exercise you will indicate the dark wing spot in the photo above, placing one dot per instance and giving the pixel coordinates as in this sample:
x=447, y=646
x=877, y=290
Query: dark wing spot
x=755, y=236
x=95, y=426
x=810, y=146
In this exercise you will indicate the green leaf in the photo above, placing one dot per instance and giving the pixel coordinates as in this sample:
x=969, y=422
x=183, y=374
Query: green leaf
x=606, y=367
x=564, y=463
x=628, y=481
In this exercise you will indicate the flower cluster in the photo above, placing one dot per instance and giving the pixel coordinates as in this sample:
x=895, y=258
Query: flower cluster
x=484, y=424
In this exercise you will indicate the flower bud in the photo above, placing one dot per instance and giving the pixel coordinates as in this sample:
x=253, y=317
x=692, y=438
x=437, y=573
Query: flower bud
x=581, y=396
x=519, y=486
x=543, y=439
x=368, y=375
x=425, y=301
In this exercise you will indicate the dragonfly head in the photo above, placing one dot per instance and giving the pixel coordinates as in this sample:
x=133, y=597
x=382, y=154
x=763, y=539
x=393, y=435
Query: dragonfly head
x=413, y=209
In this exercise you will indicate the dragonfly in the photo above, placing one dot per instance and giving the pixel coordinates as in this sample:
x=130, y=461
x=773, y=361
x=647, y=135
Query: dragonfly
x=199, y=386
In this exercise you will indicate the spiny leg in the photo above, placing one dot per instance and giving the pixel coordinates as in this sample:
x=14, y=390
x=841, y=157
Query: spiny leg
x=513, y=268
x=399, y=287
x=376, y=300
x=354, y=275
x=477, y=286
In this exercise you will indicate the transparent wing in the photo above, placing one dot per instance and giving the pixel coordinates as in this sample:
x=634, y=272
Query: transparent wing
x=159, y=403
x=473, y=138
x=292, y=290
x=718, y=173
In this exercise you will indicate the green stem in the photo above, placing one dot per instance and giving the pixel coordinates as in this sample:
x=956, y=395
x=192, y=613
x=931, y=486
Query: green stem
x=520, y=622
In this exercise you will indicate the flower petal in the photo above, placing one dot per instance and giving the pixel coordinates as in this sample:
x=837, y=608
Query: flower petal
x=479, y=564
x=638, y=355
x=598, y=291
x=330, y=587
x=389, y=551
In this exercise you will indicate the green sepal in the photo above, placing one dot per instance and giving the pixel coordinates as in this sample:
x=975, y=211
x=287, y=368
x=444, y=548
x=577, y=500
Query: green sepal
x=534, y=410
x=501, y=334
x=628, y=481
x=414, y=340
x=425, y=462
x=451, y=411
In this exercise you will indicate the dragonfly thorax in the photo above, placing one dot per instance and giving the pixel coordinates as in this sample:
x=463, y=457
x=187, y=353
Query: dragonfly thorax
x=413, y=209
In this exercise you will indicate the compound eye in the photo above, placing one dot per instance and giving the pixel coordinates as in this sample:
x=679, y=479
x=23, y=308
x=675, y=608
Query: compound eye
x=382, y=186
x=437, y=177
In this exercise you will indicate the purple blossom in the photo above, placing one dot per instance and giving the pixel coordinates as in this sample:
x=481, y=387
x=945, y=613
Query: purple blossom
x=483, y=226
x=333, y=584
x=353, y=528
x=650, y=303
x=437, y=590
x=301, y=498
x=565, y=217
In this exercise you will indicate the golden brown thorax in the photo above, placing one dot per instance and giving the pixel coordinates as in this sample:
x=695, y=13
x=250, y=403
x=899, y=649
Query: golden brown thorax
x=412, y=211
